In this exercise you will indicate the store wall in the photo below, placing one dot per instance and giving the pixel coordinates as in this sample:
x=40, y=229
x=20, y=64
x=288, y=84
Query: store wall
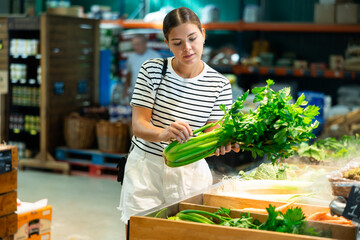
x=4, y=6
x=275, y=10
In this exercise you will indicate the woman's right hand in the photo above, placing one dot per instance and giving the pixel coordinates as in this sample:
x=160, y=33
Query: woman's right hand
x=178, y=130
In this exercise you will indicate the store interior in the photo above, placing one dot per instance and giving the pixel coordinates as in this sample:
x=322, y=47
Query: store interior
x=66, y=121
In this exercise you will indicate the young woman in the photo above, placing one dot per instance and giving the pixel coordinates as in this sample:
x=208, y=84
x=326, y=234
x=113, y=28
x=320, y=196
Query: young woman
x=186, y=99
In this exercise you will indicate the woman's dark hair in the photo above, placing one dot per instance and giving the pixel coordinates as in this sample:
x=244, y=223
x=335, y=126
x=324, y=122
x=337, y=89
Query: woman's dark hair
x=179, y=16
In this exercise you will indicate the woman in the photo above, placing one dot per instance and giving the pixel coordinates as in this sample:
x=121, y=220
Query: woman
x=186, y=99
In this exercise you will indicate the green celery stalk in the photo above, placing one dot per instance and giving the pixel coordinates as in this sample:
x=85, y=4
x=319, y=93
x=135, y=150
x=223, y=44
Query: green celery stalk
x=274, y=128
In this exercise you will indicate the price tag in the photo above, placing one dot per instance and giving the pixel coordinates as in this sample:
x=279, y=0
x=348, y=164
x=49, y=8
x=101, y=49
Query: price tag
x=352, y=208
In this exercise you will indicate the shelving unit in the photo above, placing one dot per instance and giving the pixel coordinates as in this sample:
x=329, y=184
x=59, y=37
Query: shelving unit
x=24, y=84
x=245, y=26
x=62, y=72
x=281, y=71
x=245, y=32
x=298, y=27
x=4, y=43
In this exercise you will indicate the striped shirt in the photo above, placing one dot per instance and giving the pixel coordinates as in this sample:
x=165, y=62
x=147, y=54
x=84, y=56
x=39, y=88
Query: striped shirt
x=195, y=101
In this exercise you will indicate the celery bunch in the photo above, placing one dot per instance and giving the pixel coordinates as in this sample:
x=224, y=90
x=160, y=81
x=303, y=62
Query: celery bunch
x=272, y=129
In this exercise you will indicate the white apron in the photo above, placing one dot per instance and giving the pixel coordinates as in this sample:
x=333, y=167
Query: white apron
x=148, y=182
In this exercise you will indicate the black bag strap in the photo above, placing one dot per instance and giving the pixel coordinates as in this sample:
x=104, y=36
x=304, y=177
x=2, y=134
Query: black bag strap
x=163, y=72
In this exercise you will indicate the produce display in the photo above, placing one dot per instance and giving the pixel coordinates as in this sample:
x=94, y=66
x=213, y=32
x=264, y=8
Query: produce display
x=343, y=179
x=322, y=216
x=327, y=217
x=219, y=216
x=280, y=195
x=328, y=150
x=272, y=129
x=267, y=171
x=353, y=174
x=292, y=221
x=285, y=171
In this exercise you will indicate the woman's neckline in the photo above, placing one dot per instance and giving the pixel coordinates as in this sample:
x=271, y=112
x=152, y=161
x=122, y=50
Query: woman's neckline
x=195, y=76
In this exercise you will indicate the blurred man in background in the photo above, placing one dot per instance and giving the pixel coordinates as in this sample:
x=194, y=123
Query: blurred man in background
x=135, y=60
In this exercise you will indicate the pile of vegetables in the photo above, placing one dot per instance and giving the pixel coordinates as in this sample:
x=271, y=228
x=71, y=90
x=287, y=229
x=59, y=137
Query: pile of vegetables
x=326, y=217
x=330, y=148
x=292, y=221
x=272, y=129
x=266, y=171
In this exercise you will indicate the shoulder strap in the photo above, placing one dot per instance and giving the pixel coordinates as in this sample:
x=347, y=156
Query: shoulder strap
x=163, y=72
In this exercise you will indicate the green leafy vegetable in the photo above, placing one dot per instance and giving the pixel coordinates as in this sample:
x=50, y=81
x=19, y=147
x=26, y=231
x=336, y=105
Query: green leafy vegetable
x=272, y=129
x=330, y=148
x=222, y=217
x=293, y=221
x=267, y=171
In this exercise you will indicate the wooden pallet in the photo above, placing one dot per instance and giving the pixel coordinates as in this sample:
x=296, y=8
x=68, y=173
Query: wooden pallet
x=88, y=156
x=93, y=170
x=91, y=162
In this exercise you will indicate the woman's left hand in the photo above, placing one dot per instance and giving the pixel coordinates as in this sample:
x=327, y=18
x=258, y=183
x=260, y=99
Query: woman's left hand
x=225, y=149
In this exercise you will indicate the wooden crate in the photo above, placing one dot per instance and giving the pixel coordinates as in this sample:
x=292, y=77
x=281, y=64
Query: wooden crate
x=8, y=225
x=144, y=227
x=8, y=181
x=338, y=231
x=8, y=194
x=8, y=238
x=8, y=203
x=240, y=203
x=14, y=154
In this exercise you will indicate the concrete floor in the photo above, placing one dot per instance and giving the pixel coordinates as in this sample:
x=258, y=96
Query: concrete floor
x=84, y=208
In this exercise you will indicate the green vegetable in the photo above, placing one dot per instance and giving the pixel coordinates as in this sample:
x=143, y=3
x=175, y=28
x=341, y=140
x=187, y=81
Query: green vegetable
x=293, y=221
x=272, y=129
x=330, y=148
x=193, y=217
x=199, y=216
x=267, y=171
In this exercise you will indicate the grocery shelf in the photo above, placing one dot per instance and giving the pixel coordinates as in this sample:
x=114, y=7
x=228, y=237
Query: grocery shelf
x=133, y=23
x=299, y=27
x=256, y=26
x=282, y=71
x=232, y=26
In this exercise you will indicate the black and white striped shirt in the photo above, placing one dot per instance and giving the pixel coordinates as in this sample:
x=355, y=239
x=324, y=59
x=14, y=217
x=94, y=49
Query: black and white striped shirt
x=195, y=101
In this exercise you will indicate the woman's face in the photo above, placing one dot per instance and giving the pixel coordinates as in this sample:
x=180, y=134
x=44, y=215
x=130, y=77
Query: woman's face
x=186, y=42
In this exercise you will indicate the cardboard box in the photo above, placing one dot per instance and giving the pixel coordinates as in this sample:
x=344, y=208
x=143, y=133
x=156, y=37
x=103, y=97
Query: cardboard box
x=336, y=62
x=34, y=225
x=324, y=13
x=347, y=13
x=150, y=227
x=74, y=11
